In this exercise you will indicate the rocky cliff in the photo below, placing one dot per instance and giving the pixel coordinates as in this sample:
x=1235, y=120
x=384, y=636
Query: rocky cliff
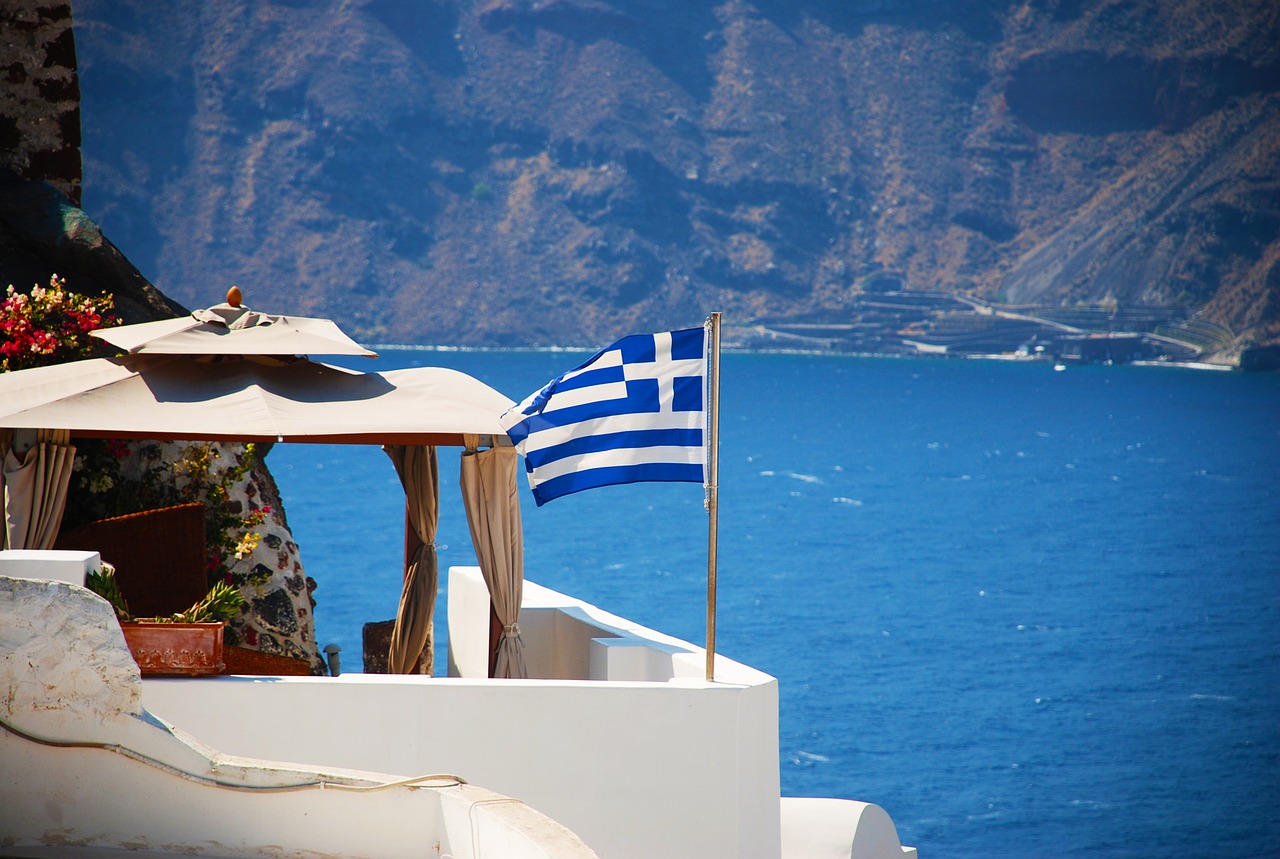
x=42, y=230
x=506, y=172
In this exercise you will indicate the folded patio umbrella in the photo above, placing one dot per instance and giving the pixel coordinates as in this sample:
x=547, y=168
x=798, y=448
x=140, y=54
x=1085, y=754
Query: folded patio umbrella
x=227, y=329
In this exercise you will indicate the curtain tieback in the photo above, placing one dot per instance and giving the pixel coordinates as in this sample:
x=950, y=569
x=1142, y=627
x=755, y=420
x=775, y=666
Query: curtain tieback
x=512, y=630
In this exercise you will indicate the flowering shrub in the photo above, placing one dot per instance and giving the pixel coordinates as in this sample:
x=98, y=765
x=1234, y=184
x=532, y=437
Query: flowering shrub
x=101, y=488
x=49, y=326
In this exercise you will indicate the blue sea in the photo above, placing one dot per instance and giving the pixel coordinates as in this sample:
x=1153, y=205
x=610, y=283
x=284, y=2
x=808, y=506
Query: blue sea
x=1030, y=613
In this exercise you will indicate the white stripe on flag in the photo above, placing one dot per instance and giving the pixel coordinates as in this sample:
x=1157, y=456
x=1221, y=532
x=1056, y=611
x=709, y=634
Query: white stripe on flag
x=553, y=436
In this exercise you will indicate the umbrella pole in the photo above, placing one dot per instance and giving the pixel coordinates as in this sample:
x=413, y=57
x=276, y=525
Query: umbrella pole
x=713, y=482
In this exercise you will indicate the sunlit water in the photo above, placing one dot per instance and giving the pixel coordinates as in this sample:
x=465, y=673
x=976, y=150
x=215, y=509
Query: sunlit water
x=1030, y=613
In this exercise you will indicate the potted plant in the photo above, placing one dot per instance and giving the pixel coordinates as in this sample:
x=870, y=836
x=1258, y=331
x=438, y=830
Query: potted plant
x=185, y=643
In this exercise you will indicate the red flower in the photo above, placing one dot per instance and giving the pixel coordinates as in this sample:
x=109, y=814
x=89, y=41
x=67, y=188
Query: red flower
x=49, y=325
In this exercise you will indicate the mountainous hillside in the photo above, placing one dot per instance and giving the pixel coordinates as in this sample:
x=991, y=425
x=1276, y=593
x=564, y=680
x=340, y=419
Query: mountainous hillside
x=501, y=172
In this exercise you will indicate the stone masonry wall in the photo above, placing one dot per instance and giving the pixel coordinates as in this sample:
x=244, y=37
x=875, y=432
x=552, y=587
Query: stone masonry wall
x=278, y=616
x=40, y=94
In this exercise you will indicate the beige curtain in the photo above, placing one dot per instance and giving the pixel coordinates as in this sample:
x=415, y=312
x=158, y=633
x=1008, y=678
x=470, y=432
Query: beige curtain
x=489, y=493
x=411, y=636
x=6, y=442
x=35, y=490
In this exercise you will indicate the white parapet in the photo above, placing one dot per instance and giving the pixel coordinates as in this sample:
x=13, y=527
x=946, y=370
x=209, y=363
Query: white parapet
x=63, y=565
x=616, y=734
x=568, y=639
x=814, y=828
x=89, y=771
x=672, y=766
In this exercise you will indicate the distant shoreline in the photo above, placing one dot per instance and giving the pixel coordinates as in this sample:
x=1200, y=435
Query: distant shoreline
x=744, y=350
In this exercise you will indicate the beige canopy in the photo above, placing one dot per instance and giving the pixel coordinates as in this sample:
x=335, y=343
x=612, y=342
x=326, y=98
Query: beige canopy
x=216, y=391
x=248, y=399
x=233, y=329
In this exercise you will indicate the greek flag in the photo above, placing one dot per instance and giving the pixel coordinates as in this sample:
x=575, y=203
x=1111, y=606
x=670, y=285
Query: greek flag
x=634, y=412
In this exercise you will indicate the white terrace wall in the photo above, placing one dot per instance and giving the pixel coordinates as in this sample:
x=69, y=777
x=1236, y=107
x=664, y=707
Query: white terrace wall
x=84, y=766
x=680, y=768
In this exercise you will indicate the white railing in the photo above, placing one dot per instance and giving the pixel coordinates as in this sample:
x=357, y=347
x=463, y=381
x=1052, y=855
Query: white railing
x=567, y=639
x=651, y=761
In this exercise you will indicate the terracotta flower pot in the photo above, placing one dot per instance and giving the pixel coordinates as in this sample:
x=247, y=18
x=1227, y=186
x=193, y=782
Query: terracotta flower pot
x=175, y=648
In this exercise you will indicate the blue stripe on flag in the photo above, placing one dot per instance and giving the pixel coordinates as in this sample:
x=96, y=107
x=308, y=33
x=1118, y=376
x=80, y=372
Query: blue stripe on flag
x=641, y=399
x=615, y=475
x=632, y=412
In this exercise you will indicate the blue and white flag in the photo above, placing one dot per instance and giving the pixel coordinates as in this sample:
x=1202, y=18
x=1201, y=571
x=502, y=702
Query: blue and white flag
x=634, y=412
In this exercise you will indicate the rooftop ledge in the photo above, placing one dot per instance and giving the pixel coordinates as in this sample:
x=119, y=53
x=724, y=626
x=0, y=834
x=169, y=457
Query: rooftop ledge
x=617, y=734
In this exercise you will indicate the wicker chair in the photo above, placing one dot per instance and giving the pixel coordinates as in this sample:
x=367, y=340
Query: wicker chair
x=159, y=556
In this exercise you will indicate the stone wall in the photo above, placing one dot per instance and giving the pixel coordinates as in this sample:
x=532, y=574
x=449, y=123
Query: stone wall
x=278, y=615
x=40, y=94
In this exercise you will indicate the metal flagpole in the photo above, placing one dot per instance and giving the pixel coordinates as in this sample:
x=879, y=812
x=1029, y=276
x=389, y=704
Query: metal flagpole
x=713, y=481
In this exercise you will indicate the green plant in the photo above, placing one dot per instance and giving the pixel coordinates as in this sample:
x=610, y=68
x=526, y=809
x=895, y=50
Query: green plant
x=101, y=487
x=222, y=603
x=103, y=582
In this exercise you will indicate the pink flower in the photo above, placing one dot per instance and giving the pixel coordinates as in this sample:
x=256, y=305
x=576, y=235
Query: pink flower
x=48, y=325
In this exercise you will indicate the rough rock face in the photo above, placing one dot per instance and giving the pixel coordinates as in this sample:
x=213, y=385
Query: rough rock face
x=40, y=94
x=61, y=648
x=279, y=615
x=42, y=233
x=42, y=229
x=562, y=171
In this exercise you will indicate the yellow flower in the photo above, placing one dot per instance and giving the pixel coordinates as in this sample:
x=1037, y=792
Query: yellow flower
x=247, y=544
